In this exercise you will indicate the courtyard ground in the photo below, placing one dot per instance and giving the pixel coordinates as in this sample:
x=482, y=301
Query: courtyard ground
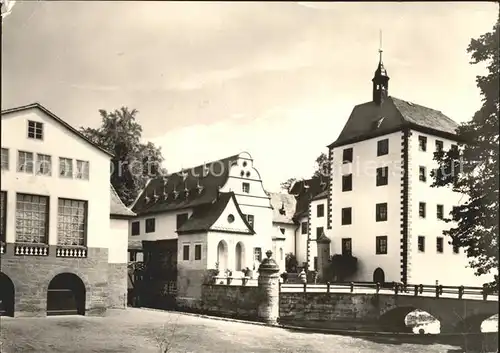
x=141, y=330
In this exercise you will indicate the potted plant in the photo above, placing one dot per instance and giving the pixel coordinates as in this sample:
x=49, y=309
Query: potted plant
x=284, y=275
x=247, y=275
x=229, y=275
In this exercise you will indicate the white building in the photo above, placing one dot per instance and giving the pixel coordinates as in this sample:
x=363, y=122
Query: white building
x=284, y=227
x=213, y=215
x=63, y=229
x=311, y=217
x=383, y=209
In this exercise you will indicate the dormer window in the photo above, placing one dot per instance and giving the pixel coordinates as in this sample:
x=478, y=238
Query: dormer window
x=35, y=130
x=245, y=187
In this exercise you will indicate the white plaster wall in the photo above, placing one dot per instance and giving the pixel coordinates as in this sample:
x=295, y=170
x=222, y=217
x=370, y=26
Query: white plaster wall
x=213, y=239
x=301, y=242
x=118, y=241
x=363, y=197
x=192, y=240
x=165, y=226
x=222, y=222
x=256, y=202
x=289, y=243
x=448, y=268
x=57, y=142
x=257, y=195
x=314, y=223
x=278, y=249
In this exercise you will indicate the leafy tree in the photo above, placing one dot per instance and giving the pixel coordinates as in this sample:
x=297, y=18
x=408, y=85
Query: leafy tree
x=340, y=267
x=134, y=162
x=322, y=169
x=286, y=185
x=322, y=166
x=472, y=168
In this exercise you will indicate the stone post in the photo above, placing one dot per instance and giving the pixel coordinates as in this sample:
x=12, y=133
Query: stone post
x=268, y=283
x=323, y=243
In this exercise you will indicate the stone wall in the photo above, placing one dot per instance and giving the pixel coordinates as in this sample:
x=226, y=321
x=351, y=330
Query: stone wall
x=31, y=276
x=117, y=285
x=327, y=310
x=232, y=301
x=189, y=287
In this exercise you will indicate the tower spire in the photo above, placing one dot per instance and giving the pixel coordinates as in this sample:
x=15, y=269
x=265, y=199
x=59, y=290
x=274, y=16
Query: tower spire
x=380, y=46
x=380, y=79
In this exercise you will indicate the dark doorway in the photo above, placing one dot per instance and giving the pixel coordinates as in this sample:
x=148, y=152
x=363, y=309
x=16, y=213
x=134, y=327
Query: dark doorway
x=157, y=287
x=7, y=295
x=379, y=276
x=66, y=295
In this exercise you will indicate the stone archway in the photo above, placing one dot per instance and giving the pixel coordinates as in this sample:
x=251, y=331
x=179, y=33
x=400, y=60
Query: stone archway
x=66, y=295
x=379, y=276
x=239, y=256
x=7, y=295
x=408, y=319
x=222, y=255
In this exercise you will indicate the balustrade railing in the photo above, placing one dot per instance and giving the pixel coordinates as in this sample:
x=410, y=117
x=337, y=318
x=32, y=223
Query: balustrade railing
x=31, y=250
x=460, y=292
x=235, y=281
x=77, y=251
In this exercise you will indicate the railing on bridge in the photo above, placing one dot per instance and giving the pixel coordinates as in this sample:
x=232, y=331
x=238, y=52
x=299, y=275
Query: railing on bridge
x=439, y=291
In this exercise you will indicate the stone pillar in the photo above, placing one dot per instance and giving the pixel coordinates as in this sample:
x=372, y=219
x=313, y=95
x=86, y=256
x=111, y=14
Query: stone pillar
x=268, y=283
x=323, y=243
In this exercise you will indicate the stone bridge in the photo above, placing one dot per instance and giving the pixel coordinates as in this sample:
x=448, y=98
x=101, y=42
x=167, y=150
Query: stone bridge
x=385, y=309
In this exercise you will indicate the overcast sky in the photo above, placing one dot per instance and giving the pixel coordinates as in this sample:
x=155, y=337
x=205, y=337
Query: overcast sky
x=209, y=80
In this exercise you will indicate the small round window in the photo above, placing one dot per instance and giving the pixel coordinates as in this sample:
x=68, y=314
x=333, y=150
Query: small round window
x=248, y=174
x=242, y=173
x=245, y=164
x=230, y=218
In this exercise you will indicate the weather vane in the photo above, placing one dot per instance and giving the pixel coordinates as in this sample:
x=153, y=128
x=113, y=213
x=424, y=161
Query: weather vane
x=380, y=43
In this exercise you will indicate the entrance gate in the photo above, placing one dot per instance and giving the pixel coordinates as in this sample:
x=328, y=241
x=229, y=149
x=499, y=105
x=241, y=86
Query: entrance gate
x=66, y=295
x=7, y=295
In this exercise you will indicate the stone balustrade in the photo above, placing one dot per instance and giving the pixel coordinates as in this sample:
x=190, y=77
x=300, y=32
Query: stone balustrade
x=31, y=250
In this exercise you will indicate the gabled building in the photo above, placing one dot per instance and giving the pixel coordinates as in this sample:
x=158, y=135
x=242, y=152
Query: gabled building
x=215, y=215
x=382, y=207
x=63, y=229
x=311, y=217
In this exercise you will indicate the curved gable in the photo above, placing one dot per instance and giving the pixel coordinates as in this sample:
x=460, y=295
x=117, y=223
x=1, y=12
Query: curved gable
x=222, y=215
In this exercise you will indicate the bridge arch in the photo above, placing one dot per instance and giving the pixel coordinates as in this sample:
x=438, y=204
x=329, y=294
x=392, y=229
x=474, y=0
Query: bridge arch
x=474, y=323
x=407, y=319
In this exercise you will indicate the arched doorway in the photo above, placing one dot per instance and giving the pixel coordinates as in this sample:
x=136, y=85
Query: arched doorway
x=7, y=295
x=66, y=295
x=222, y=255
x=239, y=256
x=379, y=276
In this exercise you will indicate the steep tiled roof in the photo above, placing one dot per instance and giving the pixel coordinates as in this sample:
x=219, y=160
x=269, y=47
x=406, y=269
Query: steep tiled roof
x=284, y=206
x=57, y=119
x=369, y=120
x=193, y=187
x=321, y=195
x=117, y=208
x=306, y=190
x=204, y=216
